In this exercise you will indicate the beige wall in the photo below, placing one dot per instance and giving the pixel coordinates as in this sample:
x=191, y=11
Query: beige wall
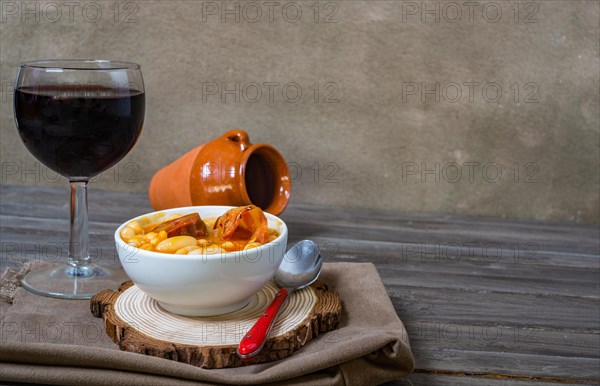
x=370, y=143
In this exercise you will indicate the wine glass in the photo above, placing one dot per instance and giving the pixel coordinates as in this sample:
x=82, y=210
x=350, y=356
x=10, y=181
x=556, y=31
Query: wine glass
x=79, y=118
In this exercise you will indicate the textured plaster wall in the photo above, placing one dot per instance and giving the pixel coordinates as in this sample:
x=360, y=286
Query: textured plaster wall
x=508, y=124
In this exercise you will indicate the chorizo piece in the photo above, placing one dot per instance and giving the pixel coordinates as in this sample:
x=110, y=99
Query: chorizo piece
x=189, y=225
x=244, y=223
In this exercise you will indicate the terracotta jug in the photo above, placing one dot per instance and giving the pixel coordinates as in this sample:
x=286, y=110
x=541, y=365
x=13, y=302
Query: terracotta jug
x=229, y=170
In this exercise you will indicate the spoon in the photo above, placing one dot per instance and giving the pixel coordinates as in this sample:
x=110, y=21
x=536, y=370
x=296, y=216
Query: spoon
x=300, y=268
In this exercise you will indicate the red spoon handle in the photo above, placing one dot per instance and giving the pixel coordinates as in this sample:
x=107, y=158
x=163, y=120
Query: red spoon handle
x=256, y=337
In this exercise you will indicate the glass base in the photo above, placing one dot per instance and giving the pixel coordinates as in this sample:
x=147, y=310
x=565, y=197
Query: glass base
x=66, y=282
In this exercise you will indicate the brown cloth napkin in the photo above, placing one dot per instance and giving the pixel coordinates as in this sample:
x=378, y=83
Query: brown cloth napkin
x=54, y=341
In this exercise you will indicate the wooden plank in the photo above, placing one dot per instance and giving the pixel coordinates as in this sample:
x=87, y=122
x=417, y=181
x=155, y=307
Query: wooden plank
x=23, y=239
x=542, y=242
x=513, y=364
x=45, y=202
x=399, y=253
x=378, y=217
x=505, y=308
x=429, y=335
x=428, y=379
x=456, y=226
x=513, y=278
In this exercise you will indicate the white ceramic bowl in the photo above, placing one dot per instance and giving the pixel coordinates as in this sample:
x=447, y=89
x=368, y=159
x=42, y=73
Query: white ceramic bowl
x=202, y=285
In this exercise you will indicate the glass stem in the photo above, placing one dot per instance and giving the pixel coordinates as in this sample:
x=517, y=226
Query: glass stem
x=78, y=231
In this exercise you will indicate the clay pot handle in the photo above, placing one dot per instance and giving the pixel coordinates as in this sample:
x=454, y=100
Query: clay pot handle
x=238, y=136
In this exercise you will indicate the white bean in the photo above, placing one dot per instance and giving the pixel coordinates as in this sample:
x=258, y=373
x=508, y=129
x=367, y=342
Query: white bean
x=173, y=244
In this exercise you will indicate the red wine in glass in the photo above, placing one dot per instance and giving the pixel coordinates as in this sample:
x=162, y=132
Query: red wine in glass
x=79, y=118
x=79, y=132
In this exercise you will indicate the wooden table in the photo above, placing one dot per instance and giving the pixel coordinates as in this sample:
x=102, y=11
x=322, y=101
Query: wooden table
x=485, y=301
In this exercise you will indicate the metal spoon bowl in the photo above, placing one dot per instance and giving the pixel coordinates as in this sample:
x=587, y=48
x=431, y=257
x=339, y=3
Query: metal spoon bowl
x=300, y=267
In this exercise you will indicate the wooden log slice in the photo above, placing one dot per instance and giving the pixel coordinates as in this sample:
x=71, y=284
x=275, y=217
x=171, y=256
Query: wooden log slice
x=138, y=324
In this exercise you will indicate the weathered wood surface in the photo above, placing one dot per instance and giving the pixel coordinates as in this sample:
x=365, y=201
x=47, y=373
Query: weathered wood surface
x=485, y=301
